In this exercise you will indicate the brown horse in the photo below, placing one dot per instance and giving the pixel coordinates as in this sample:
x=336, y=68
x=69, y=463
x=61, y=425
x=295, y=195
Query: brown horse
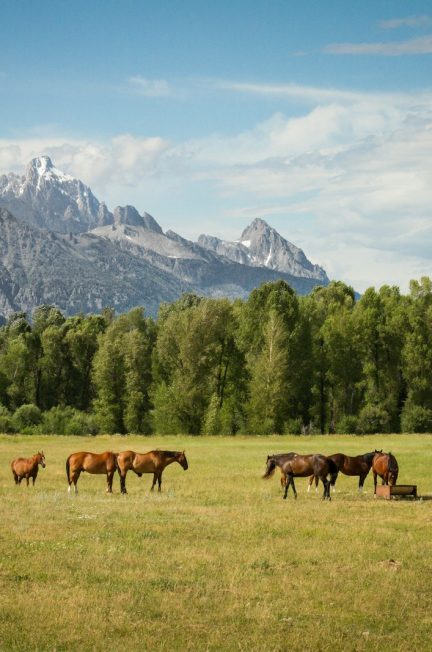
x=359, y=465
x=293, y=466
x=27, y=467
x=151, y=462
x=101, y=463
x=386, y=467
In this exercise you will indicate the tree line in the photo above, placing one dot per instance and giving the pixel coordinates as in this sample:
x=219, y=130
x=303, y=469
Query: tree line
x=274, y=363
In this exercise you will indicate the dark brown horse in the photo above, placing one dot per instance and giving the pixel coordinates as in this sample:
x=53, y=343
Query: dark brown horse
x=27, y=467
x=293, y=466
x=359, y=465
x=386, y=467
x=151, y=462
x=100, y=463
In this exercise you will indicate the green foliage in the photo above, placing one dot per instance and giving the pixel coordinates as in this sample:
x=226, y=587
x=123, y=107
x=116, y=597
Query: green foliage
x=26, y=418
x=416, y=418
x=273, y=363
x=373, y=419
x=293, y=427
x=347, y=425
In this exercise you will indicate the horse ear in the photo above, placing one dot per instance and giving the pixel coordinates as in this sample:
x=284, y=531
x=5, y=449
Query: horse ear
x=183, y=452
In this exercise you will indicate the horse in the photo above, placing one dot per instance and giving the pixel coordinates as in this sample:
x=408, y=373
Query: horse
x=100, y=463
x=301, y=466
x=151, y=462
x=359, y=465
x=385, y=466
x=27, y=467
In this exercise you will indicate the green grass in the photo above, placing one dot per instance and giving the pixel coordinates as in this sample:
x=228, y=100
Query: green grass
x=217, y=561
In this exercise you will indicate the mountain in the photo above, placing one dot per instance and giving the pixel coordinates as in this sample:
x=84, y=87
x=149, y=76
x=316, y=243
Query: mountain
x=76, y=273
x=262, y=246
x=60, y=245
x=47, y=198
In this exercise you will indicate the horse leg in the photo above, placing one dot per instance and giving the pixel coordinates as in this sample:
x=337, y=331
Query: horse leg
x=123, y=482
x=27, y=479
x=155, y=476
x=15, y=478
x=293, y=486
x=375, y=481
x=75, y=478
x=326, y=484
x=287, y=484
x=362, y=478
x=110, y=475
x=159, y=481
x=311, y=479
x=316, y=483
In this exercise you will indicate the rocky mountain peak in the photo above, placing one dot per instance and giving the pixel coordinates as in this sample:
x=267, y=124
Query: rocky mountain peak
x=257, y=227
x=260, y=245
x=129, y=215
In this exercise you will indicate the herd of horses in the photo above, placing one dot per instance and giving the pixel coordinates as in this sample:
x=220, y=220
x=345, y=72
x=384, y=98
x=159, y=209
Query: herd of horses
x=327, y=468
x=292, y=465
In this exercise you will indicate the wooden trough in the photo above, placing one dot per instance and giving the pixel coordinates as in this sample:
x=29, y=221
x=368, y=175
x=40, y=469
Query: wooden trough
x=401, y=490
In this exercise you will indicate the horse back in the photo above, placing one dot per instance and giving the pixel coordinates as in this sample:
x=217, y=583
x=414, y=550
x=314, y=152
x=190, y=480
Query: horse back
x=22, y=465
x=92, y=462
x=147, y=462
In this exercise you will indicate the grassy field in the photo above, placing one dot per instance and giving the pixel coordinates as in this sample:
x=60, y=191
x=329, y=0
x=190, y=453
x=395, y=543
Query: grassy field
x=217, y=561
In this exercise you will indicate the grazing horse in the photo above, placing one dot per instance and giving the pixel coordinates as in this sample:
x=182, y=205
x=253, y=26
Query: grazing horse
x=101, y=463
x=293, y=466
x=27, y=467
x=386, y=466
x=151, y=462
x=359, y=465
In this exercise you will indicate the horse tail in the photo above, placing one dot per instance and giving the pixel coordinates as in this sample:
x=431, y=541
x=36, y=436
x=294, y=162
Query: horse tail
x=67, y=469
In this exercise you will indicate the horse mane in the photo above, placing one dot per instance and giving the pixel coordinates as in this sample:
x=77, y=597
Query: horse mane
x=168, y=453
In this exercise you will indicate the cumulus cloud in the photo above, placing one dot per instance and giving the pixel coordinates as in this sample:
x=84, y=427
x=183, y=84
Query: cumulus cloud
x=348, y=180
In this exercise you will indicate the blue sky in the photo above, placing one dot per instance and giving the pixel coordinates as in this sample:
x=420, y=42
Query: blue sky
x=315, y=116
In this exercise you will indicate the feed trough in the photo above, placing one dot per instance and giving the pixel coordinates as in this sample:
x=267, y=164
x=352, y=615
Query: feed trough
x=401, y=490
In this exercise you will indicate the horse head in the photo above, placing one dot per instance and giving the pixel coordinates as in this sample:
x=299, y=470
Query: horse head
x=181, y=459
x=41, y=459
x=393, y=469
x=270, y=466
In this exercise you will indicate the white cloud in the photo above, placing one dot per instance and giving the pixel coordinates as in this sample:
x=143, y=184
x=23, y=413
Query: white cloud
x=409, y=21
x=421, y=45
x=349, y=180
x=150, y=87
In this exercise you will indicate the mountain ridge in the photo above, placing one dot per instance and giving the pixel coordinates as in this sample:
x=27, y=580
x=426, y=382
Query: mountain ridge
x=122, y=258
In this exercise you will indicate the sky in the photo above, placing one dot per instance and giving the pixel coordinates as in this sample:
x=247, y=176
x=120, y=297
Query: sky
x=315, y=116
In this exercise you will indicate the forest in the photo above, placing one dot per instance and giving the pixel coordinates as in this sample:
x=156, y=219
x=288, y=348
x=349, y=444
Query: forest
x=328, y=362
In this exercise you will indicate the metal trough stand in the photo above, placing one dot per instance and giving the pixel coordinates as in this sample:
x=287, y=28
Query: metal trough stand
x=386, y=491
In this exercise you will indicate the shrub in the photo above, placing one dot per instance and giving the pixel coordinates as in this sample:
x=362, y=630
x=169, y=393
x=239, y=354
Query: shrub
x=68, y=421
x=27, y=418
x=373, y=419
x=55, y=421
x=293, y=427
x=82, y=423
x=416, y=418
x=6, y=424
x=347, y=425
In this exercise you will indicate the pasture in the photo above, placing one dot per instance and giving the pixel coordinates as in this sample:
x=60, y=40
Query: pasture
x=217, y=561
